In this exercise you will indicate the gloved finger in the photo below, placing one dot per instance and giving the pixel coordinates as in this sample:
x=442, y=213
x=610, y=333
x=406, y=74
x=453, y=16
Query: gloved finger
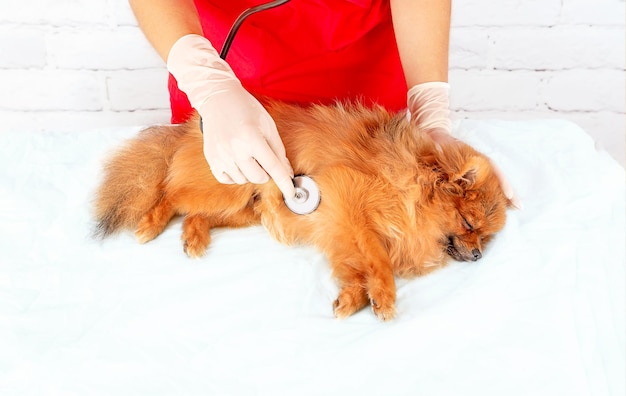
x=440, y=137
x=283, y=177
x=222, y=177
x=237, y=176
x=253, y=171
x=276, y=145
x=285, y=185
x=229, y=174
x=507, y=188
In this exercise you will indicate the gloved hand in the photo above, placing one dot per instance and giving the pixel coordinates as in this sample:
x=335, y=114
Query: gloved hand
x=241, y=143
x=429, y=108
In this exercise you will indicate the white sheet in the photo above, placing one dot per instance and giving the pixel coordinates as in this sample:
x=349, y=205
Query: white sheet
x=543, y=313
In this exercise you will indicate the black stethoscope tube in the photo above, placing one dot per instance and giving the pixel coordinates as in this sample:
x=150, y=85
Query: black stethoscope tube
x=233, y=30
x=252, y=10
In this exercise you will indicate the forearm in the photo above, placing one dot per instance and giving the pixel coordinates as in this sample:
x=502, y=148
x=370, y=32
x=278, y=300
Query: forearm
x=423, y=36
x=165, y=21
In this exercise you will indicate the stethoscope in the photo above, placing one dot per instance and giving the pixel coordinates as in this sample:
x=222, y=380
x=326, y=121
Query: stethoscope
x=237, y=24
x=307, y=197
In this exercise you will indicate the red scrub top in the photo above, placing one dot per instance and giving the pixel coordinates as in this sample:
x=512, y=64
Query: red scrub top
x=307, y=51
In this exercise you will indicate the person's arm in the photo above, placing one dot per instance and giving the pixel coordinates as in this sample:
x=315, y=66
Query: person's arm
x=423, y=36
x=241, y=143
x=163, y=22
x=422, y=29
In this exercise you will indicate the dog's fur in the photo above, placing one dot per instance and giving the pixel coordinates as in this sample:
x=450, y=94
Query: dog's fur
x=392, y=203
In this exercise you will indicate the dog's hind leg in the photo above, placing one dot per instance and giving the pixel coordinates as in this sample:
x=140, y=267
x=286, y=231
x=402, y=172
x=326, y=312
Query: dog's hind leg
x=154, y=221
x=197, y=228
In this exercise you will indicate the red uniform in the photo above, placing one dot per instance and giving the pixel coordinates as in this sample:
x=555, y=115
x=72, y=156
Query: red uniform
x=307, y=51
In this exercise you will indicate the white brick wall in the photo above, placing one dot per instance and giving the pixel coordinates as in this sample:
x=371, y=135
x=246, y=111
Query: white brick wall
x=84, y=64
x=520, y=59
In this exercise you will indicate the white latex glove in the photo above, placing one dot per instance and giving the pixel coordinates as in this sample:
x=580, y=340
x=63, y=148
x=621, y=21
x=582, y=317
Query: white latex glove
x=429, y=108
x=241, y=143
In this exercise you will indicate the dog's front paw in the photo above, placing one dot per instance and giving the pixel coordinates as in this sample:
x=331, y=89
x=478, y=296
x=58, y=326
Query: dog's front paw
x=384, y=312
x=383, y=304
x=350, y=300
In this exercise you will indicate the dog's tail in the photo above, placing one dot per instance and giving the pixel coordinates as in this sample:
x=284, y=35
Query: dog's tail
x=133, y=179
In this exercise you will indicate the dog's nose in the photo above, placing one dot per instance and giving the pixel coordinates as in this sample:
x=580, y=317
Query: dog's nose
x=476, y=254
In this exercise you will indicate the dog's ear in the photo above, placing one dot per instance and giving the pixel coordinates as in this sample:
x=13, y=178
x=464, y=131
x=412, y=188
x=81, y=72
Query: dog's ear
x=460, y=168
x=470, y=172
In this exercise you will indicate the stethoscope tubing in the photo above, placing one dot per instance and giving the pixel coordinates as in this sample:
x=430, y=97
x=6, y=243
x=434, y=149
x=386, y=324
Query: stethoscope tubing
x=237, y=24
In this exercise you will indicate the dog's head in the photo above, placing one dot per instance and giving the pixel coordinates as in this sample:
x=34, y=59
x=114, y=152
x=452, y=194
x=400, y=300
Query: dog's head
x=474, y=201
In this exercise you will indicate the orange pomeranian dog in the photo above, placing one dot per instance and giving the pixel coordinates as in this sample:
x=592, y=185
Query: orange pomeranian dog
x=392, y=204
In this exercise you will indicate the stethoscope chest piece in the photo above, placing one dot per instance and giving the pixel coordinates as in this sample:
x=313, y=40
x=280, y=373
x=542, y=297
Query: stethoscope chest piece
x=307, y=197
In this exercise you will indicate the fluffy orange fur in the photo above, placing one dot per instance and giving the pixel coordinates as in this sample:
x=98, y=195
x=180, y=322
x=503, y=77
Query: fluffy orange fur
x=392, y=203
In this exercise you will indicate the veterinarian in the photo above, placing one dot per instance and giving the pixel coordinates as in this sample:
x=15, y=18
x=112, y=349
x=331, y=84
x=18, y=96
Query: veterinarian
x=392, y=52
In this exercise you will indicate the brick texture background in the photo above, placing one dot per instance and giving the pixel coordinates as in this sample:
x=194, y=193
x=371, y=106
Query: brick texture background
x=84, y=64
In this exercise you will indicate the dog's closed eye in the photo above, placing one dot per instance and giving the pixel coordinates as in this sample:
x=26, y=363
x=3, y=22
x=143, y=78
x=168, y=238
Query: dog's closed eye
x=466, y=224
